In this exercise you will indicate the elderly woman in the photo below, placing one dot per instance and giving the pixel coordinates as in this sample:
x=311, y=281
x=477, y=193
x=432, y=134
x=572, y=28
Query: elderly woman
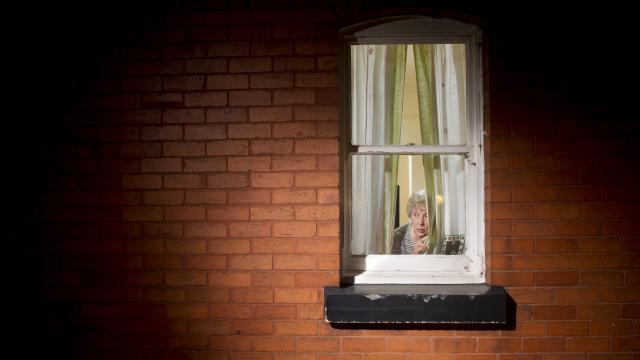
x=410, y=238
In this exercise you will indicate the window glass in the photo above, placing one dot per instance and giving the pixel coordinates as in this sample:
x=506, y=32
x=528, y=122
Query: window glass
x=422, y=208
x=408, y=94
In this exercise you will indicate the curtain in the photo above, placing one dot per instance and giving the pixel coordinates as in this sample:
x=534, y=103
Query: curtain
x=440, y=75
x=424, y=56
x=377, y=86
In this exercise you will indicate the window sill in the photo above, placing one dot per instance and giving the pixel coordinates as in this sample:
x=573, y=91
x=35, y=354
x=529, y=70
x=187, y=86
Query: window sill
x=468, y=304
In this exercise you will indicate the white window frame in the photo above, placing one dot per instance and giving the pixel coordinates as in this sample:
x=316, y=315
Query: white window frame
x=468, y=268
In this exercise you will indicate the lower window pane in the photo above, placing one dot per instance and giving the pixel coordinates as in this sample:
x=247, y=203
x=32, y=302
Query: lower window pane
x=407, y=204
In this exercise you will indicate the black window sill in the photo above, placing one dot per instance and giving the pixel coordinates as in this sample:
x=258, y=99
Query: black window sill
x=467, y=305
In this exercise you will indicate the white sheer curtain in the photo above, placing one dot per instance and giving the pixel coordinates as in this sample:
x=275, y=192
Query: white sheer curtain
x=450, y=74
x=376, y=71
x=368, y=67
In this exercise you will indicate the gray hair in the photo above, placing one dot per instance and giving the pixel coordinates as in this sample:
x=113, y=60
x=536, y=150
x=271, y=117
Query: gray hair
x=418, y=198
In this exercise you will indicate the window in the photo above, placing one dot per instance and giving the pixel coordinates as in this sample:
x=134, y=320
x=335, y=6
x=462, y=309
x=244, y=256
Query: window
x=411, y=153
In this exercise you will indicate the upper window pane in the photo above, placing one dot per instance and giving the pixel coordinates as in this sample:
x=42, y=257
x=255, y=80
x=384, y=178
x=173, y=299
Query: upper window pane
x=409, y=94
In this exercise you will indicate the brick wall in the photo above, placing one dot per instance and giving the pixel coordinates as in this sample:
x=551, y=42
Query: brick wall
x=185, y=199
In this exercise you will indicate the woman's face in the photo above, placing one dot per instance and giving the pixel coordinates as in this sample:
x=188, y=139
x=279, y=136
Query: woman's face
x=419, y=221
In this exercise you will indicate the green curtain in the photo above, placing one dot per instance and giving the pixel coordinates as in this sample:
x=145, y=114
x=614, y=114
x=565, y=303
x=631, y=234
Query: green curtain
x=396, y=65
x=425, y=78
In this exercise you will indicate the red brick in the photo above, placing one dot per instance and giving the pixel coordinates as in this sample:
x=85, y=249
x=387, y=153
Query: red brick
x=208, y=327
x=242, y=229
x=512, y=211
x=285, y=196
x=185, y=246
x=317, y=212
x=513, y=278
x=272, y=48
x=228, y=147
x=252, y=327
x=408, y=345
x=205, y=132
x=588, y=343
x=182, y=181
x=205, y=66
x=512, y=246
x=168, y=197
x=273, y=279
x=160, y=165
x=556, y=278
x=229, y=279
x=208, y=164
x=533, y=295
x=249, y=98
x=316, y=80
x=250, y=65
x=273, y=344
x=272, y=246
x=567, y=328
x=187, y=311
x=205, y=98
x=231, y=343
x=579, y=193
x=272, y=147
x=315, y=112
x=363, y=344
x=556, y=246
x=235, y=246
x=499, y=345
x=316, y=147
x=219, y=82
x=319, y=279
x=185, y=279
x=298, y=63
x=183, y=148
x=295, y=295
x=227, y=180
x=184, y=213
x=542, y=345
x=221, y=213
x=294, y=228
x=553, y=312
x=271, y=180
x=293, y=97
x=272, y=213
x=603, y=278
x=535, y=228
x=294, y=262
x=252, y=295
x=205, y=197
x=183, y=82
x=226, y=115
x=556, y=211
x=249, y=197
x=142, y=213
x=316, y=179
x=141, y=181
x=205, y=230
x=580, y=227
x=273, y=80
x=299, y=327
x=229, y=311
x=250, y=262
x=183, y=116
x=511, y=145
x=274, y=311
x=610, y=327
x=246, y=163
x=600, y=311
x=206, y=262
x=141, y=150
x=249, y=131
x=318, y=344
x=501, y=195
x=294, y=129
